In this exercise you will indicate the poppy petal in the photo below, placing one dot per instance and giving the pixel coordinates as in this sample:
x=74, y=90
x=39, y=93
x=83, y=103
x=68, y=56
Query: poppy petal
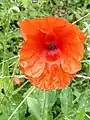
x=33, y=66
x=82, y=36
x=69, y=64
x=27, y=50
x=30, y=60
x=75, y=50
x=28, y=27
x=54, y=78
x=49, y=23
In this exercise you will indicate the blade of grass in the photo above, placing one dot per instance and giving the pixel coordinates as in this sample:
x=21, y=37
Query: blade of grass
x=87, y=61
x=18, y=89
x=81, y=18
x=19, y=76
x=10, y=59
x=86, y=28
x=88, y=116
x=82, y=76
x=32, y=89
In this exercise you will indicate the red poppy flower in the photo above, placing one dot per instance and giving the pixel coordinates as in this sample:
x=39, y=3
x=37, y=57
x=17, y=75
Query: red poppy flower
x=51, y=53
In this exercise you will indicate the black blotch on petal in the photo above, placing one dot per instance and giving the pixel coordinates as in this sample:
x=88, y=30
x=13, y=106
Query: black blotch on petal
x=51, y=46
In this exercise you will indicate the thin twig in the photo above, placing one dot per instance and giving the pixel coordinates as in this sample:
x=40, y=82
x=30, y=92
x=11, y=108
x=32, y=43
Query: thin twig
x=19, y=76
x=21, y=103
x=10, y=59
x=85, y=61
x=88, y=36
x=18, y=89
x=81, y=18
x=82, y=76
x=12, y=64
x=86, y=28
x=88, y=116
x=22, y=76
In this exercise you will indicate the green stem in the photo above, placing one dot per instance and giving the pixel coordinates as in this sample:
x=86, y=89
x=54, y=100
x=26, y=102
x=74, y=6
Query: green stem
x=44, y=111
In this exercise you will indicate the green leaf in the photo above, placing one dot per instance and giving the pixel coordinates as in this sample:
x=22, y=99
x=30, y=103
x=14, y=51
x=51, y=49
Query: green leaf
x=24, y=2
x=31, y=117
x=51, y=97
x=3, y=117
x=34, y=107
x=49, y=116
x=84, y=101
x=15, y=101
x=6, y=87
x=81, y=114
x=66, y=99
x=9, y=105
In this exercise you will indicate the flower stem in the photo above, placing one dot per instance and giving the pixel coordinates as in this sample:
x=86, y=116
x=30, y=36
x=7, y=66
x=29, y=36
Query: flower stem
x=44, y=111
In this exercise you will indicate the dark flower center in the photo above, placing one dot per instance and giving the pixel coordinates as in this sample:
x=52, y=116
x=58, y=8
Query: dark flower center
x=51, y=46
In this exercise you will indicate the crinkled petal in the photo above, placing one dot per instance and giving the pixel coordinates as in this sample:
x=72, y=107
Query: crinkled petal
x=49, y=23
x=28, y=48
x=69, y=64
x=28, y=27
x=36, y=69
x=69, y=34
x=73, y=75
x=31, y=62
x=75, y=50
x=54, y=78
x=82, y=36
